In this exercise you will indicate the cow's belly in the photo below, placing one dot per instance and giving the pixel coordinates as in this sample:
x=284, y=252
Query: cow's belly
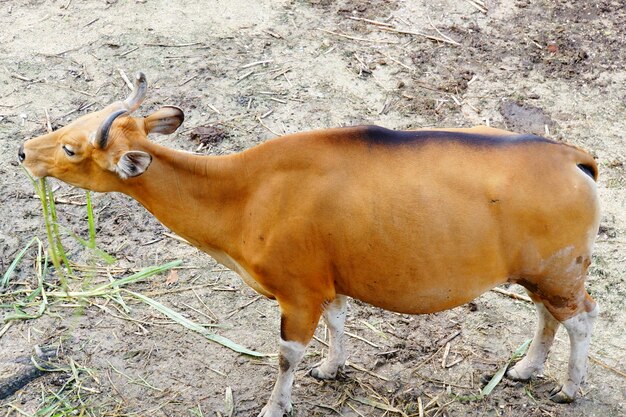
x=419, y=294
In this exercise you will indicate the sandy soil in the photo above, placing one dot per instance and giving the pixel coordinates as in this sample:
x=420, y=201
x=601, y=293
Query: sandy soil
x=253, y=70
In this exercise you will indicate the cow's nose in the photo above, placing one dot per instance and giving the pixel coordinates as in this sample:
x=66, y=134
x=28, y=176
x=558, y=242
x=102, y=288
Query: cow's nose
x=20, y=154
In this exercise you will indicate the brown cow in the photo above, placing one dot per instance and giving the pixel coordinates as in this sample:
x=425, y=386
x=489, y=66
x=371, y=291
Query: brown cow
x=414, y=222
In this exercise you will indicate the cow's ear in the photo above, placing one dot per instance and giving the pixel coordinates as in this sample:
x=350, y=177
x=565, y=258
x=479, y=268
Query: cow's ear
x=133, y=164
x=165, y=120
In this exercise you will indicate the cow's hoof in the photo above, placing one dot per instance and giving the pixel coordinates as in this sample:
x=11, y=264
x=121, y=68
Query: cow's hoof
x=559, y=396
x=319, y=373
x=514, y=375
x=274, y=410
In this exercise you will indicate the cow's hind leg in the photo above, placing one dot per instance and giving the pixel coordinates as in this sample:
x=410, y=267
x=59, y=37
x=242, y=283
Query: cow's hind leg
x=579, y=328
x=572, y=307
x=335, y=318
x=535, y=359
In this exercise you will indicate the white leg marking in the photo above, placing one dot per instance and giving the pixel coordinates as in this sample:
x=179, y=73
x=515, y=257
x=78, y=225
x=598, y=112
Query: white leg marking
x=579, y=329
x=534, y=360
x=335, y=318
x=288, y=359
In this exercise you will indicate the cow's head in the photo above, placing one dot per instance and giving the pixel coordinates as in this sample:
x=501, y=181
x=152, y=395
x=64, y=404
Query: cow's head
x=101, y=149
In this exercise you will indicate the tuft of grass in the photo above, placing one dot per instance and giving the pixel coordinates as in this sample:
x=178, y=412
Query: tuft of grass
x=56, y=249
x=72, y=399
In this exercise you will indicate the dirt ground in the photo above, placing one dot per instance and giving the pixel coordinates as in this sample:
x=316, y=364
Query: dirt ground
x=249, y=71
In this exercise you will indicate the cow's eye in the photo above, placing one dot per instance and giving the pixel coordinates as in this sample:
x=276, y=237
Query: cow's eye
x=68, y=150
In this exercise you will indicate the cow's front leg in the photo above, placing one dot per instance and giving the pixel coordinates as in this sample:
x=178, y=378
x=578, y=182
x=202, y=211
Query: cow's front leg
x=297, y=325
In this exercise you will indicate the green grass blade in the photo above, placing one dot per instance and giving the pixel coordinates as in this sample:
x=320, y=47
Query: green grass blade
x=177, y=317
x=57, y=235
x=87, y=244
x=20, y=315
x=42, y=270
x=109, y=287
x=91, y=243
x=40, y=188
x=495, y=380
x=16, y=261
x=33, y=294
x=90, y=221
x=108, y=259
x=145, y=273
x=118, y=298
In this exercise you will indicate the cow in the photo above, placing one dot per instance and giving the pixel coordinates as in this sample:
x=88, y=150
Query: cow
x=410, y=221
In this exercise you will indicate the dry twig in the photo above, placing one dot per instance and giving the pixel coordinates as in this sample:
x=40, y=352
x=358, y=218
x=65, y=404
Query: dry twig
x=359, y=368
x=356, y=336
x=512, y=294
x=446, y=352
x=175, y=237
x=372, y=22
x=254, y=64
x=260, y=120
x=431, y=37
x=354, y=38
x=604, y=365
x=238, y=309
x=125, y=78
x=478, y=4
x=164, y=45
x=273, y=34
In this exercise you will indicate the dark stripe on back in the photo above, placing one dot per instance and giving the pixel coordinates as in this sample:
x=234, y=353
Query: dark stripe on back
x=382, y=136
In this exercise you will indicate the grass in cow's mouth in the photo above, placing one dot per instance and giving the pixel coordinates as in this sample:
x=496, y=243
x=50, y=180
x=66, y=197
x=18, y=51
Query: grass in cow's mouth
x=55, y=248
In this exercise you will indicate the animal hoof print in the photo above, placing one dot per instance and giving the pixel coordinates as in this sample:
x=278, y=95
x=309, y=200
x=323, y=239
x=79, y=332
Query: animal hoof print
x=558, y=396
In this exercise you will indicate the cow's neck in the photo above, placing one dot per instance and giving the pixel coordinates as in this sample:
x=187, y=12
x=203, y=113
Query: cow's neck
x=200, y=198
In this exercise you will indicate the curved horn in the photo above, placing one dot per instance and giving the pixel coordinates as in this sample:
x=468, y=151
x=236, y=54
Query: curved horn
x=102, y=135
x=135, y=99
